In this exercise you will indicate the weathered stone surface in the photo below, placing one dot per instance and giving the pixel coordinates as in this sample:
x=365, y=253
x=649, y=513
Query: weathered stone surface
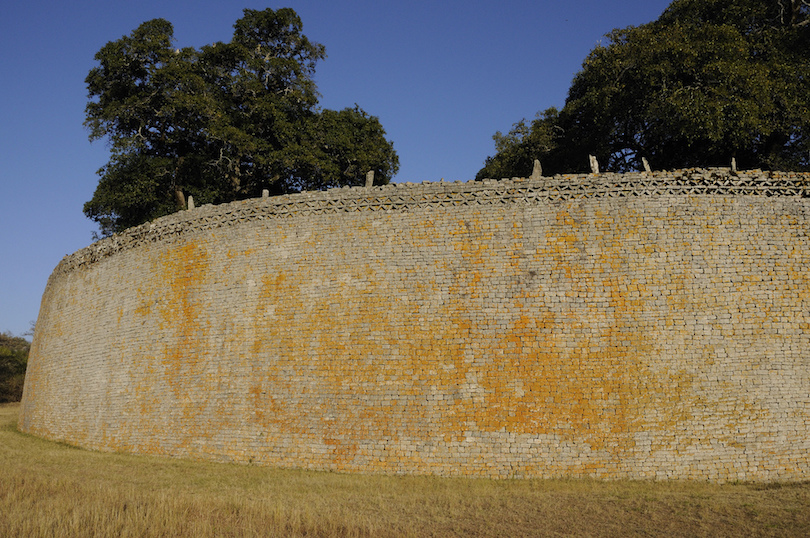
x=613, y=326
x=537, y=170
x=594, y=164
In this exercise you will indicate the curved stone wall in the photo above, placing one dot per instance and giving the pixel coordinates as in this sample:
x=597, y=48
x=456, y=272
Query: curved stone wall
x=635, y=326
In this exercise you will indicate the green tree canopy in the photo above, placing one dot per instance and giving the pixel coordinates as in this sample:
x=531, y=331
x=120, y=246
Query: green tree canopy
x=517, y=150
x=221, y=123
x=708, y=81
x=13, y=362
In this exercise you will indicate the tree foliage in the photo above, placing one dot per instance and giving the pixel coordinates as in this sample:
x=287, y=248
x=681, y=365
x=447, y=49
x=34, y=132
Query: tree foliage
x=221, y=123
x=13, y=362
x=708, y=81
x=517, y=150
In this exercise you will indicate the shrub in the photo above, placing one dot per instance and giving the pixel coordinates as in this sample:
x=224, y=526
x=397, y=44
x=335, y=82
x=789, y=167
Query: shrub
x=13, y=361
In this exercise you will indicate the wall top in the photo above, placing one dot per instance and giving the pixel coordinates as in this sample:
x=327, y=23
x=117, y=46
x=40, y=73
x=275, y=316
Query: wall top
x=398, y=197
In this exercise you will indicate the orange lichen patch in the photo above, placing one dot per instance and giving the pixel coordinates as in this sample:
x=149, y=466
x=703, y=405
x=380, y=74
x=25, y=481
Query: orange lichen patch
x=582, y=373
x=184, y=273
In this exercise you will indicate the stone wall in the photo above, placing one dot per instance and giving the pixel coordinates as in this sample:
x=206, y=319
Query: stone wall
x=638, y=326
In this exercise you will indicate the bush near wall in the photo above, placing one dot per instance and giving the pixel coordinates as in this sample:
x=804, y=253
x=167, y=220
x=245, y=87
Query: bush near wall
x=13, y=361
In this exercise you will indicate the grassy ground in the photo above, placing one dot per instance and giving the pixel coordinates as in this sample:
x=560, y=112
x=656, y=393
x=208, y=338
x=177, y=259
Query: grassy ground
x=50, y=489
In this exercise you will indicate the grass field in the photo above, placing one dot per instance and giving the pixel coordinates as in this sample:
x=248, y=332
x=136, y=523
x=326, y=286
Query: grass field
x=50, y=489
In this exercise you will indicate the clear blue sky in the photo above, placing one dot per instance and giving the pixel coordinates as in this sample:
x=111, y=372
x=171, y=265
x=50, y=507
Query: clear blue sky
x=443, y=76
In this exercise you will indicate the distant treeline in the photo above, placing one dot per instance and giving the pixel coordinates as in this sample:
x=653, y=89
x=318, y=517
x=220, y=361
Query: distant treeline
x=13, y=360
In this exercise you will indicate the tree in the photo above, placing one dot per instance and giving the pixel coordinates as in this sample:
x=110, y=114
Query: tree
x=13, y=362
x=708, y=81
x=220, y=123
x=340, y=147
x=517, y=150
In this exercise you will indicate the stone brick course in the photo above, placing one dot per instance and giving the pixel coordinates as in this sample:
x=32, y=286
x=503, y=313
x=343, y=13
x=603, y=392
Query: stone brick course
x=649, y=325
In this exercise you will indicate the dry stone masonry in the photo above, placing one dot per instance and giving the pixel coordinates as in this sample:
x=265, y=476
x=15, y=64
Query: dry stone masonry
x=653, y=325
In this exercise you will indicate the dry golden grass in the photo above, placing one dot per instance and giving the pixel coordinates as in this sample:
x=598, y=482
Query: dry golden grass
x=50, y=489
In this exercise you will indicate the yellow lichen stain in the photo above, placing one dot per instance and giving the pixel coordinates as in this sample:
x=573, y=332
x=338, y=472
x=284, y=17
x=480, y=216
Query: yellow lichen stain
x=145, y=302
x=583, y=371
x=325, y=335
x=183, y=272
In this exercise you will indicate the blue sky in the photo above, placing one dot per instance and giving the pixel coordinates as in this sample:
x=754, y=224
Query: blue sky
x=442, y=76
